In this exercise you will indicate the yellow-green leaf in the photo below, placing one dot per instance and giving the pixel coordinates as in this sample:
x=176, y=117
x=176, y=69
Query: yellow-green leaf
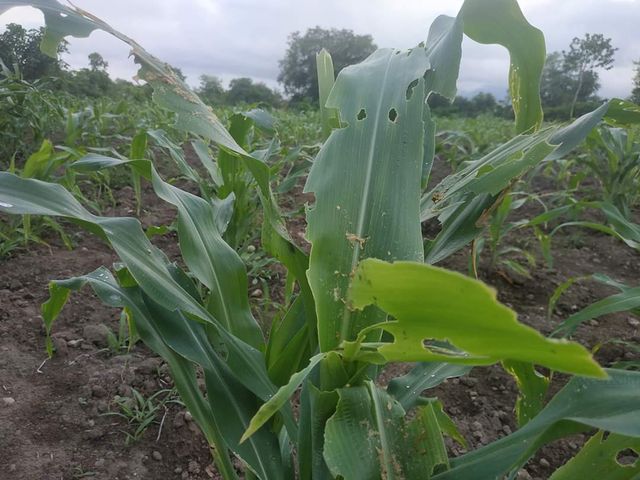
x=431, y=303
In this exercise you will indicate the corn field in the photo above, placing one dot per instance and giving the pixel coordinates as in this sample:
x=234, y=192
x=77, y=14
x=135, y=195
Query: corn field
x=359, y=291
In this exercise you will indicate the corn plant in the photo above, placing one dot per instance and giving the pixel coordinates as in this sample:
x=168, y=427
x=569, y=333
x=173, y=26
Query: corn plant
x=364, y=296
x=614, y=159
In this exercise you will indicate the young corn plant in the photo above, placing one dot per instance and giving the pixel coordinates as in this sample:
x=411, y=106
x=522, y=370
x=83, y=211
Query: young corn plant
x=367, y=294
x=614, y=159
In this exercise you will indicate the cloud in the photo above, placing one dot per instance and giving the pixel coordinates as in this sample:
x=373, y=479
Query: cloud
x=233, y=38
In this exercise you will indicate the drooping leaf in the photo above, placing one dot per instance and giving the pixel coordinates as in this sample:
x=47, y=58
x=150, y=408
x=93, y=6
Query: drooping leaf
x=431, y=303
x=502, y=22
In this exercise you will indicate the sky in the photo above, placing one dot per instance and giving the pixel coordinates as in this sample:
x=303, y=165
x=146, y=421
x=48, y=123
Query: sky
x=247, y=38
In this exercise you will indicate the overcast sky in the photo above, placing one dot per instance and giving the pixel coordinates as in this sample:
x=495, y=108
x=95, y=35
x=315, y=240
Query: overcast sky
x=246, y=38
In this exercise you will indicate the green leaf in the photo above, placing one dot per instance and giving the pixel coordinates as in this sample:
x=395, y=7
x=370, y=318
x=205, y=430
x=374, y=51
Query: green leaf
x=431, y=303
x=277, y=401
x=316, y=407
x=212, y=261
x=459, y=193
x=459, y=228
x=51, y=309
x=367, y=173
x=425, y=427
x=597, y=459
x=180, y=341
x=502, y=22
x=622, y=112
x=37, y=162
x=364, y=179
x=620, y=302
x=232, y=404
x=610, y=404
x=532, y=386
x=447, y=426
x=368, y=438
x=326, y=78
x=408, y=388
x=288, y=346
x=202, y=247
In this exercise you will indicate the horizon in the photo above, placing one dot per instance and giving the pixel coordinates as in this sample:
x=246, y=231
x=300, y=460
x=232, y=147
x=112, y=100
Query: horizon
x=197, y=22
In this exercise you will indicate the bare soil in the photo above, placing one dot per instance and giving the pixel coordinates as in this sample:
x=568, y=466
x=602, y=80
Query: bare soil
x=52, y=415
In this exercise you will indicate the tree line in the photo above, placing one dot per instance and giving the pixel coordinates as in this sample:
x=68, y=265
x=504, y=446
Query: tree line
x=570, y=80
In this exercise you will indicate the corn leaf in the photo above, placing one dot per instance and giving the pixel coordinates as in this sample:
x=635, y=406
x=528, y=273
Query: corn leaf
x=366, y=181
x=316, y=407
x=277, y=401
x=408, y=388
x=532, y=386
x=610, y=405
x=431, y=303
x=502, y=22
x=181, y=341
x=148, y=265
x=597, y=459
x=620, y=302
x=326, y=78
x=368, y=437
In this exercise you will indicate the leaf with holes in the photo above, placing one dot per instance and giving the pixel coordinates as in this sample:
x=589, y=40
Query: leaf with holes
x=430, y=303
x=603, y=458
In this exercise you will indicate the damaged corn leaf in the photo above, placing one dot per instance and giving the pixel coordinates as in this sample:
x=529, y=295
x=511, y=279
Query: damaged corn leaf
x=602, y=458
x=433, y=304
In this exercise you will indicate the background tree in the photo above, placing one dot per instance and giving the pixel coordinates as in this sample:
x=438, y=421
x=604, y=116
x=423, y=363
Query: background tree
x=635, y=93
x=298, y=68
x=21, y=47
x=211, y=90
x=90, y=82
x=558, y=87
x=96, y=62
x=585, y=55
x=244, y=90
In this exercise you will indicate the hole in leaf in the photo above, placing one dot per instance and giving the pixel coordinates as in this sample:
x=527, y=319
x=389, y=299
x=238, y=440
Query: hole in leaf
x=393, y=115
x=410, y=88
x=362, y=114
x=627, y=457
